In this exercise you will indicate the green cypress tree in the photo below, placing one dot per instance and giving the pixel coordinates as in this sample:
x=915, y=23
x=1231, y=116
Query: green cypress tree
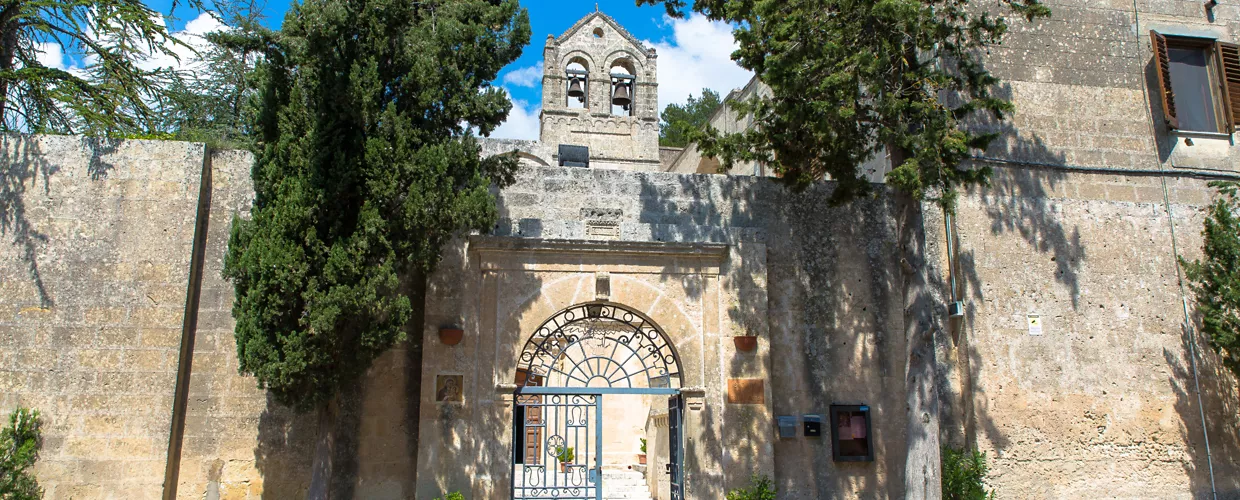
x=367, y=166
x=1215, y=279
x=852, y=78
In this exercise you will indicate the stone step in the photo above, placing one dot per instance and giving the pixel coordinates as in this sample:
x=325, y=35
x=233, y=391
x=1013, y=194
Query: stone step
x=624, y=477
x=634, y=476
x=626, y=495
x=623, y=483
x=626, y=487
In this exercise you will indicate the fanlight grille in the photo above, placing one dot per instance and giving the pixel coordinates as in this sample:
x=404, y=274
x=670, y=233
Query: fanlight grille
x=600, y=344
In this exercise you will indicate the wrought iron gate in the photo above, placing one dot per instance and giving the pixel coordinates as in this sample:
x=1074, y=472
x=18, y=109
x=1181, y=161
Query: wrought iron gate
x=558, y=450
x=676, y=450
x=571, y=361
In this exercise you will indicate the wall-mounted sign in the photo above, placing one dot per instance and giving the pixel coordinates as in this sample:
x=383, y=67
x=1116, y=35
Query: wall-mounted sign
x=1035, y=323
x=746, y=391
x=851, y=433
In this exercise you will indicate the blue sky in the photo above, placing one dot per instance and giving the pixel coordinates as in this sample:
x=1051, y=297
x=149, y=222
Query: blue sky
x=693, y=53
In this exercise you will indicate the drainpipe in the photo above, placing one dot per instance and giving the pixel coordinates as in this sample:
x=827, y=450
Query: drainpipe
x=1179, y=274
x=951, y=252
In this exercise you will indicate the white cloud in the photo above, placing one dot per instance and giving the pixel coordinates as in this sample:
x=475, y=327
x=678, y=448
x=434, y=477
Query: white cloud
x=183, y=58
x=522, y=122
x=194, y=35
x=530, y=76
x=49, y=55
x=698, y=56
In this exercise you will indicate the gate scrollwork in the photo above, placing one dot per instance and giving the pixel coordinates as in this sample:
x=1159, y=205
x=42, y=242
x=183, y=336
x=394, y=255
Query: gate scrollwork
x=600, y=344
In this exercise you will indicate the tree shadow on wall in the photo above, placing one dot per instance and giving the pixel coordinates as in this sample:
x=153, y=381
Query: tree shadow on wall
x=1218, y=399
x=101, y=150
x=842, y=288
x=23, y=166
x=285, y=451
x=822, y=284
x=466, y=446
x=710, y=208
x=1021, y=199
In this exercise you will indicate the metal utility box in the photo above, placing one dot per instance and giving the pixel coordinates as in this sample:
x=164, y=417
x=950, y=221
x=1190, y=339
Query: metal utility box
x=955, y=309
x=787, y=426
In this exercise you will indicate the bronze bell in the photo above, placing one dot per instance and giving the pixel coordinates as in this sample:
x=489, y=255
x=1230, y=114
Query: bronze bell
x=574, y=88
x=621, y=96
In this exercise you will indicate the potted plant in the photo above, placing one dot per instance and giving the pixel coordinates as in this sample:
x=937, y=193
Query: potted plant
x=641, y=457
x=565, y=456
x=451, y=335
x=745, y=343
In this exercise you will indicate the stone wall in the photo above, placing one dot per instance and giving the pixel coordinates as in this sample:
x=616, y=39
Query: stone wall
x=1103, y=403
x=94, y=273
x=1074, y=230
x=819, y=285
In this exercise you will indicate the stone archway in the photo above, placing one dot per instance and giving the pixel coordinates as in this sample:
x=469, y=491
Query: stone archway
x=569, y=364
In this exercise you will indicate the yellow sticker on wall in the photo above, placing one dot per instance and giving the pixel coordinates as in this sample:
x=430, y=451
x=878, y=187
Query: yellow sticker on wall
x=1035, y=324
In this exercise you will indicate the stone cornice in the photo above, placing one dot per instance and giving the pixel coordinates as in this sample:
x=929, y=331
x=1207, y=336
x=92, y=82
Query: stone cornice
x=707, y=251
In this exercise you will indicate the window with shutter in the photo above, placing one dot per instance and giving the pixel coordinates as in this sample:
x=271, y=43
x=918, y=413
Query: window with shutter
x=1229, y=66
x=1162, y=66
x=1197, y=79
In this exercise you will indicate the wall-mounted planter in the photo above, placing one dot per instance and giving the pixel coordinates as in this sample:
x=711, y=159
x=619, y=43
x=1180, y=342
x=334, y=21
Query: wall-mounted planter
x=745, y=343
x=451, y=336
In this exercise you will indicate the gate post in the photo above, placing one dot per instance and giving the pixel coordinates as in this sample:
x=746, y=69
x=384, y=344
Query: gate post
x=699, y=482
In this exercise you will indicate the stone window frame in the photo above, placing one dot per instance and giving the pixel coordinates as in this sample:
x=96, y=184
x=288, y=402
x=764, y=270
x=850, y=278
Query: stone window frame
x=1223, y=66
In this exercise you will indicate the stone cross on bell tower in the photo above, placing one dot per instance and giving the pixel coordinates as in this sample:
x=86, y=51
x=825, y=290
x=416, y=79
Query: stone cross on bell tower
x=600, y=91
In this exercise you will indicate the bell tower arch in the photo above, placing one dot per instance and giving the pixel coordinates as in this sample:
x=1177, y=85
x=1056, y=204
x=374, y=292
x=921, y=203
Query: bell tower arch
x=601, y=92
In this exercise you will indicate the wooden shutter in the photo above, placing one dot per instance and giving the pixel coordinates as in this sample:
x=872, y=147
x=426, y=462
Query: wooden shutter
x=1162, y=65
x=1228, y=55
x=533, y=435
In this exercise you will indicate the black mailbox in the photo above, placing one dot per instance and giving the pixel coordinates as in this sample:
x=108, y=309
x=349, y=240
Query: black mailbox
x=812, y=425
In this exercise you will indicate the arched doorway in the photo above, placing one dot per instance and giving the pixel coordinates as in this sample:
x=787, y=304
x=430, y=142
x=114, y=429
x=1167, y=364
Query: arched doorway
x=569, y=365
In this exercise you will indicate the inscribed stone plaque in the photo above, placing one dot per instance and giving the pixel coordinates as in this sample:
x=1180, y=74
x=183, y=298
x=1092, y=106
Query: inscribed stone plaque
x=448, y=388
x=746, y=391
x=603, y=230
